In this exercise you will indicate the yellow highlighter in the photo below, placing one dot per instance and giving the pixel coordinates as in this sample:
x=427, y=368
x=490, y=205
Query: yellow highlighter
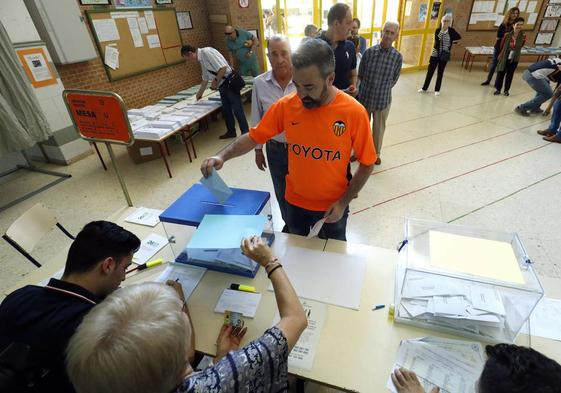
x=240, y=287
x=146, y=265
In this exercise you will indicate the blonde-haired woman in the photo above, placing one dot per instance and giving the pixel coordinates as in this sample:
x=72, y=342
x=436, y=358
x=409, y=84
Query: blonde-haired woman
x=444, y=37
x=505, y=27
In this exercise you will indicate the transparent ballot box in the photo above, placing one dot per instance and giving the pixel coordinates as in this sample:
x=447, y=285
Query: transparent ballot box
x=465, y=281
x=182, y=218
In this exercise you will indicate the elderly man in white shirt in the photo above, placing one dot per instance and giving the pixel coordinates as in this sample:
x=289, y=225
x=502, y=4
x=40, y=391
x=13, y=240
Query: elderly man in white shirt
x=267, y=89
x=215, y=68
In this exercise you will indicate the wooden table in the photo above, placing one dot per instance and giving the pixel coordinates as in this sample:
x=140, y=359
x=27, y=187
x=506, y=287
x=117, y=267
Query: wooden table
x=356, y=350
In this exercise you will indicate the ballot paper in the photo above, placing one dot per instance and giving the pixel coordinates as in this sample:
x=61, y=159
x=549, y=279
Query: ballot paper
x=314, y=231
x=216, y=186
x=545, y=320
x=304, y=352
x=452, y=365
x=149, y=246
x=243, y=302
x=145, y=216
x=188, y=276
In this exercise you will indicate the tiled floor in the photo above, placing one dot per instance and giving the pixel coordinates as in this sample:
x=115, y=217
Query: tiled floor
x=464, y=157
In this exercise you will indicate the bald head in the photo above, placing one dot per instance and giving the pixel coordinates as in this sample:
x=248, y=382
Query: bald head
x=230, y=32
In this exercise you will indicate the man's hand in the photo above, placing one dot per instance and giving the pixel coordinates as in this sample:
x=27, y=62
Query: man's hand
x=260, y=160
x=228, y=340
x=209, y=163
x=178, y=289
x=351, y=90
x=546, y=112
x=335, y=212
x=406, y=381
x=214, y=85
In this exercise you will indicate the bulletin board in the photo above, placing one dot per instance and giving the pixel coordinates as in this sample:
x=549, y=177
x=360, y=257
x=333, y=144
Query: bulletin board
x=146, y=39
x=484, y=14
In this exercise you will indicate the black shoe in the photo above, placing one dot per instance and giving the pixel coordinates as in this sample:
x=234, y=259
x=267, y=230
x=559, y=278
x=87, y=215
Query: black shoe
x=538, y=110
x=227, y=136
x=521, y=111
x=486, y=83
x=506, y=93
x=497, y=93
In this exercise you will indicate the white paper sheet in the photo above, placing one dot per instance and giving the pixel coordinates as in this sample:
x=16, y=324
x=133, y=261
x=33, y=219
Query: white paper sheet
x=408, y=6
x=145, y=216
x=314, y=231
x=245, y=303
x=325, y=276
x=142, y=25
x=445, y=365
x=153, y=41
x=149, y=246
x=304, y=352
x=106, y=30
x=531, y=6
x=500, y=6
x=150, y=21
x=124, y=14
x=135, y=32
x=487, y=299
x=217, y=186
x=545, y=321
x=38, y=66
x=111, y=57
x=188, y=276
x=532, y=18
x=499, y=20
x=522, y=5
x=184, y=20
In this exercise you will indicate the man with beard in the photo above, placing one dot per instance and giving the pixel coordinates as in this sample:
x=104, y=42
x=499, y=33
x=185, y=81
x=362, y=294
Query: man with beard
x=322, y=126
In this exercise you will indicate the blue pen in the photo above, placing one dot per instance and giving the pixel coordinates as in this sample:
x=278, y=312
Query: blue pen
x=378, y=307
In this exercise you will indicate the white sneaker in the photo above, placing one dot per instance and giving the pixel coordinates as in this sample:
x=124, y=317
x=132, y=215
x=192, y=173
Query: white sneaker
x=437, y=93
x=421, y=91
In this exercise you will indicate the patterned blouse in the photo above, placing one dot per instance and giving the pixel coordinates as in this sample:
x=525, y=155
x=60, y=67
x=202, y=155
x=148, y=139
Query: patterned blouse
x=261, y=366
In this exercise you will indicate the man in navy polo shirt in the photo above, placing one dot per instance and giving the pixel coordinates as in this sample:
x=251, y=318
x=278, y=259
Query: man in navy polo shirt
x=44, y=318
x=339, y=21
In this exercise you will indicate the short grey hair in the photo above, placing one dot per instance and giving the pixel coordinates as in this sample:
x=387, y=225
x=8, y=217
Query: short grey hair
x=314, y=51
x=391, y=23
x=136, y=340
x=447, y=17
x=278, y=38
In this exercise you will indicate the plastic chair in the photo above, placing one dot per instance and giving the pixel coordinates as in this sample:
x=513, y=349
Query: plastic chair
x=29, y=228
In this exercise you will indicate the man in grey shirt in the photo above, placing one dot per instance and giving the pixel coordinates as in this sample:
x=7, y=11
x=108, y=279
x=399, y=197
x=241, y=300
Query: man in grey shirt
x=378, y=73
x=267, y=89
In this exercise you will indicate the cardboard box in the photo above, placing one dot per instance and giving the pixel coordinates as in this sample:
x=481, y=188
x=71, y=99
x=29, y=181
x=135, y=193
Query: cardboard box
x=143, y=151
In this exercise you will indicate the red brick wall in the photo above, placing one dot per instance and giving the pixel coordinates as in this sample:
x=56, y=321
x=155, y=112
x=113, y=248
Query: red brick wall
x=147, y=88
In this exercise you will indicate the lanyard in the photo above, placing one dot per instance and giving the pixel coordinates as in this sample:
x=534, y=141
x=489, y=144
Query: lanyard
x=70, y=293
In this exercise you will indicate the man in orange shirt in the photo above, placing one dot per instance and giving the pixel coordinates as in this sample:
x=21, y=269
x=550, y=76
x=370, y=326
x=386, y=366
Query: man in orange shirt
x=322, y=126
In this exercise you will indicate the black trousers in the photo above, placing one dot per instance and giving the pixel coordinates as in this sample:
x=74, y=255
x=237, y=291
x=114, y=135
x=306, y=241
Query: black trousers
x=434, y=63
x=507, y=75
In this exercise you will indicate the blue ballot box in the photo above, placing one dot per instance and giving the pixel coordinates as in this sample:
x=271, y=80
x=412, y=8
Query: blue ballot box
x=182, y=218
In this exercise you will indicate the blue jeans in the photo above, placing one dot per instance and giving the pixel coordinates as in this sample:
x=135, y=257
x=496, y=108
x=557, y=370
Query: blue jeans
x=232, y=105
x=542, y=88
x=277, y=159
x=555, y=116
x=300, y=221
x=493, y=65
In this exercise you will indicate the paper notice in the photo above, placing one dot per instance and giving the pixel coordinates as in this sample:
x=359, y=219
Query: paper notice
x=38, y=66
x=150, y=21
x=135, y=32
x=532, y=18
x=408, y=6
x=153, y=41
x=142, y=25
x=106, y=30
x=499, y=20
x=124, y=14
x=112, y=57
x=531, y=6
x=500, y=6
x=522, y=5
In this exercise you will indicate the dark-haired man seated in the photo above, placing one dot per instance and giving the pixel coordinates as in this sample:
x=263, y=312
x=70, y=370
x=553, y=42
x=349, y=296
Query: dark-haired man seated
x=508, y=369
x=45, y=318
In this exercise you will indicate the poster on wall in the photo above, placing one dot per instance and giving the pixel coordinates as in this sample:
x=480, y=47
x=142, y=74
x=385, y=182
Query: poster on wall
x=435, y=10
x=36, y=66
x=133, y=3
x=422, y=13
x=553, y=11
x=544, y=38
x=549, y=24
x=184, y=20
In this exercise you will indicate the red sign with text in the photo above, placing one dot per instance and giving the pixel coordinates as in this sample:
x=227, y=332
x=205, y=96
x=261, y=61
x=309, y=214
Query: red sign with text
x=100, y=118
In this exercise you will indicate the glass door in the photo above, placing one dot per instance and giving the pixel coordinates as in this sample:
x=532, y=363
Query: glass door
x=419, y=20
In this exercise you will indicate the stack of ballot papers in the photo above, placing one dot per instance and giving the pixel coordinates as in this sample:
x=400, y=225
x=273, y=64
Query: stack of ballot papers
x=469, y=306
x=151, y=133
x=452, y=365
x=216, y=242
